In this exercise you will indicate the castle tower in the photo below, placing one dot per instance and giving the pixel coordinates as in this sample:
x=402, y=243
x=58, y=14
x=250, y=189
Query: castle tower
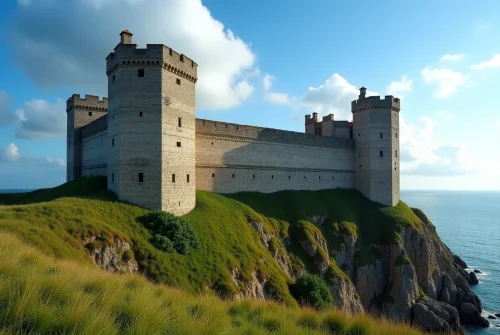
x=80, y=112
x=151, y=126
x=376, y=159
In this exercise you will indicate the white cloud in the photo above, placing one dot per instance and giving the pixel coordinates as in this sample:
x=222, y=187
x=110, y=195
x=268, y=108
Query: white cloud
x=333, y=97
x=493, y=62
x=267, y=81
x=422, y=155
x=10, y=153
x=57, y=55
x=278, y=98
x=398, y=88
x=446, y=80
x=452, y=58
x=40, y=119
x=445, y=115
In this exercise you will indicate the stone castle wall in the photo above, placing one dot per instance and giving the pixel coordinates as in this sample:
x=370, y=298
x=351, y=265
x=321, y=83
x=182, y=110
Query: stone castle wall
x=233, y=158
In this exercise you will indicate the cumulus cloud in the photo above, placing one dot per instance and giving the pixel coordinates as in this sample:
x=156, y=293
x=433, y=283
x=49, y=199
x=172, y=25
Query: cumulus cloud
x=452, y=57
x=421, y=155
x=63, y=43
x=10, y=154
x=278, y=98
x=493, y=62
x=267, y=81
x=334, y=96
x=40, y=119
x=399, y=88
x=446, y=81
x=6, y=117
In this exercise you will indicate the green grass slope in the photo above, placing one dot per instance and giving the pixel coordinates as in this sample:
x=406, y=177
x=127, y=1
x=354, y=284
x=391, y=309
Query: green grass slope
x=41, y=295
x=56, y=220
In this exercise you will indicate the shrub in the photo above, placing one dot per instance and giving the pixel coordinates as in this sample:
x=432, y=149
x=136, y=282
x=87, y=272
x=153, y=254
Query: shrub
x=162, y=243
x=311, y=290
x=170, y=232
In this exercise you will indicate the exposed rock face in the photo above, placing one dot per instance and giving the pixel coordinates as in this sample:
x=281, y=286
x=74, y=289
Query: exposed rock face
x=346, y=255
x=345, y=296
x=470, y=315
x=473, y=278
x=432, y=315
x=111, y=256
x=253, y=288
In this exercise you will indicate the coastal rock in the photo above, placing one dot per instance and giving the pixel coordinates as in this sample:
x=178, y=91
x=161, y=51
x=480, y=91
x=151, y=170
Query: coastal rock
x=253, y=288
x=459, y=261
x=491, y=317
x=497, y=315
x=435, y=316
x=470, y=315
x=473, y=278
x=477, y=271
x=113, y=255
x=345, y=296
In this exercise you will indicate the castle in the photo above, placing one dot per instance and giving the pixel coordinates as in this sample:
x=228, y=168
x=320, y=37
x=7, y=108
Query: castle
x=146, y=139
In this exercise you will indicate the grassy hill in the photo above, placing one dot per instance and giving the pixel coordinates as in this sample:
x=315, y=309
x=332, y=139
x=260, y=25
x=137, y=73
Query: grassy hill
x=56, y=220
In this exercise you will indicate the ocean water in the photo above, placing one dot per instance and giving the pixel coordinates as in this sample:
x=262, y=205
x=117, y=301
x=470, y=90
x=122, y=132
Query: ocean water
x=469, y=224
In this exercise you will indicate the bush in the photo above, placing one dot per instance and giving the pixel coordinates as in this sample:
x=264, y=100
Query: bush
x=311, y=290
x=171, y=233
x=162, y=243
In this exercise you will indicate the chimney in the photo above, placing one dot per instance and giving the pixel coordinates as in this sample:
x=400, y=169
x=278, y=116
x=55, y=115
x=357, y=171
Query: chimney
x=362, y=92
x=126, y=37
x=315, y=117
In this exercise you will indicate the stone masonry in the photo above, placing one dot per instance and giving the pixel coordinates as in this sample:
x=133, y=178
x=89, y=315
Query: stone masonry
x=155, y=153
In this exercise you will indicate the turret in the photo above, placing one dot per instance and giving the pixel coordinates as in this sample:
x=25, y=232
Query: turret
x=151, y=126
x=79, y=113
x=376, y=159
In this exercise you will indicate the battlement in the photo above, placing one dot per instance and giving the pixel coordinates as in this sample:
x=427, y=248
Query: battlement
x=311, y=119
x=154, y=55
x=363, y=103
x=90, y=102
x=253, y=133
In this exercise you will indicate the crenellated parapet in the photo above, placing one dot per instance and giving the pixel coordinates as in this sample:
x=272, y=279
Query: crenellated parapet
x=376, y=103
x=154, y=55
x=90, y=102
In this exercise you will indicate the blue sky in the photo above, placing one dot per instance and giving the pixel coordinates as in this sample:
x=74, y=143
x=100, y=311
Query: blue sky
x=266, y=63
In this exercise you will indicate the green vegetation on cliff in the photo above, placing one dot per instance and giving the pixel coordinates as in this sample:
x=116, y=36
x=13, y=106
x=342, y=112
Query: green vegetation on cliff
x=263, y=239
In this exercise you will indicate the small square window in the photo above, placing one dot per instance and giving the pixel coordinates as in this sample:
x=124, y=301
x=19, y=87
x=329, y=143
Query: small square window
x=319, y=177
x=289, y=177
x=233, y=175
x=381, y=154
x=361, y=166
x=90, y=113
x=140, y=73
x=140, y=114
x=381, y=135
x=213, y=175
x=141, y=177
x=177, y=81
x=173, y=178
x=178, y=144
x=253, y=176
x=272, y=176
x=179, y=123
x=188, y=178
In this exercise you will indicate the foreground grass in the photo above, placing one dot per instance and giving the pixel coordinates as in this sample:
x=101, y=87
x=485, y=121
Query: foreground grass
x=41, y=295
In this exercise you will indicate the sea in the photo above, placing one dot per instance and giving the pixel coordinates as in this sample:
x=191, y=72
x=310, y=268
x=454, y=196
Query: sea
x=468, y=222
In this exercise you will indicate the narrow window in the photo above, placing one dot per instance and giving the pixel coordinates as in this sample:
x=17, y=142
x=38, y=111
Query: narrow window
x=90, y=113
x=212, y=143
x=360, y=165
x=113, y=78
x=112, y=142
x=140, y=114
x=319, y=177
x=113, y=116
x=358, y=135
x=304, y=177
x=381, y=154
x=233, y=175
x=173, y=178
x=396, y=135
x=192, y=63
x=141, y=177
x=179, y=123
x=140, y=72
x=272, y=176
x=182, y=58
x=112, y=177
x=178, y=81
x=170, y=51
x=188, y=178
x=178, y=144
x=381, y=135
x=396, y=153
x=213, y=175
x=253, y=176
x=179, y=204
x=394, y=168
x=289, y=177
